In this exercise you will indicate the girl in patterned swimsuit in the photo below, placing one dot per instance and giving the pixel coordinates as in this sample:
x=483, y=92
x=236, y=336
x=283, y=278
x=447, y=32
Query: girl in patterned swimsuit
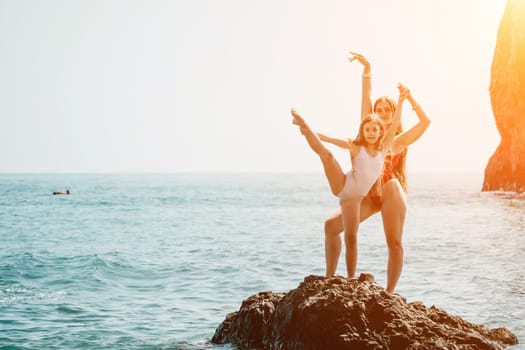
x=367, y=153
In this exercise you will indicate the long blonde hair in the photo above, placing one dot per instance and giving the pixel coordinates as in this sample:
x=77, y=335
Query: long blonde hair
x=400, y=169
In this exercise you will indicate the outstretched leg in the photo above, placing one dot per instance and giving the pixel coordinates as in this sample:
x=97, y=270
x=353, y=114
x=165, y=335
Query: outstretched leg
x=335, y=175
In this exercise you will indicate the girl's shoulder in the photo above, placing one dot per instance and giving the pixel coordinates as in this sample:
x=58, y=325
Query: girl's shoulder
x=354, y=148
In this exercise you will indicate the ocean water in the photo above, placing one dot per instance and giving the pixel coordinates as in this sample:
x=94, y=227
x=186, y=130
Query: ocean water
x=157, y=261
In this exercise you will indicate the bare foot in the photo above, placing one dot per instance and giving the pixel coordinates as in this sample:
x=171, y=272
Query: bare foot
x=297, y=119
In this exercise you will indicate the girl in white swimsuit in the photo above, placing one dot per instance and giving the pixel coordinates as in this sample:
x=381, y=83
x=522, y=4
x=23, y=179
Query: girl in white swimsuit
x=367, y=153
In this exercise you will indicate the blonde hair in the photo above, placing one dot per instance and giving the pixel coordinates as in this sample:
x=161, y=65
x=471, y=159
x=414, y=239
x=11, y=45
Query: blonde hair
x=400, y=170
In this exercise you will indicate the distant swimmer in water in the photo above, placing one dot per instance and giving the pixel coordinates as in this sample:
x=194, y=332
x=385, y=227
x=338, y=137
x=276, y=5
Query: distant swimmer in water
x=62, y=192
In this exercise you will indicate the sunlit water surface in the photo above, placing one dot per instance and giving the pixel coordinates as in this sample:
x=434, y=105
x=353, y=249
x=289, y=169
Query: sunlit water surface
x=157, y=261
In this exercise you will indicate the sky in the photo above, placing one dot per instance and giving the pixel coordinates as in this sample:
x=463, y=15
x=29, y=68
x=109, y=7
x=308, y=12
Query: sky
x=207, y=85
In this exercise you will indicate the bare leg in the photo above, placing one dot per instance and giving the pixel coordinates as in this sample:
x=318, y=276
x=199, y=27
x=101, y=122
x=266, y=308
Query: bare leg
x=335, y=175
x=350, y=214
x=333, y=226
x=393, y=211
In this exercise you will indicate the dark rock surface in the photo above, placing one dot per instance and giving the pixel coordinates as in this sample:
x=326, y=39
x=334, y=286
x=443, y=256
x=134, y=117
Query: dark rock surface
x=506, y=168
x=340, y=313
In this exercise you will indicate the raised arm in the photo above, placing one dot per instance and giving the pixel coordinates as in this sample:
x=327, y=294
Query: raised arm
x=406, y=138
x=366, y=84
x=390, y=133
x=343, y=143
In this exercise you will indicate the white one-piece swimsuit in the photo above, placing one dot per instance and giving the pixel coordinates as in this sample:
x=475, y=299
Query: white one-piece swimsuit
x=365, y=171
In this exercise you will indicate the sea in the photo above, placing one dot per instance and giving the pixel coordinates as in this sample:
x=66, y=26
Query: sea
x=156, y=261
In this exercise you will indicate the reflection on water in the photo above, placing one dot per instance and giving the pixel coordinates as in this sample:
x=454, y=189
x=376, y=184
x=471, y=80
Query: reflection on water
x=470, y=252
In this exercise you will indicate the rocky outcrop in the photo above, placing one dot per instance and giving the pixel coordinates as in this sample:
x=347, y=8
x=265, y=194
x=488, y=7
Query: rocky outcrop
x=506, y=168
x=340, y=313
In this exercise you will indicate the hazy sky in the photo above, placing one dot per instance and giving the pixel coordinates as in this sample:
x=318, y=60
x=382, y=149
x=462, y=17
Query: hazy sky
x=207, y=85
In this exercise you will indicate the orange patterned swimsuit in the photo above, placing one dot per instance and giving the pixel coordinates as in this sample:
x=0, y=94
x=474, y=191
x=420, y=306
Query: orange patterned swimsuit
x=388, y=174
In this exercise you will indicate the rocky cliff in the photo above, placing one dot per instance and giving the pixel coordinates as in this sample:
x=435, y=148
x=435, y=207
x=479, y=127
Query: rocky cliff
x=506, y=168
x=339, y=313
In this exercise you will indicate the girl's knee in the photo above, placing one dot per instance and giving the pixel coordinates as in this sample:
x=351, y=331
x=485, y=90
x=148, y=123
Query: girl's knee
x=350, y=241
x=333, y=226
x=395, y=245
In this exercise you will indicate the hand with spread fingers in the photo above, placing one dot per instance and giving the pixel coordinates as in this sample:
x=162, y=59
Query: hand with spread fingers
x=361, y=59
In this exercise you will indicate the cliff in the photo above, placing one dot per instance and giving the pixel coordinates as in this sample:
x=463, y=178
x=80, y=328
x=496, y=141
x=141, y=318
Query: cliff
x=340, y=313
x=506, y=168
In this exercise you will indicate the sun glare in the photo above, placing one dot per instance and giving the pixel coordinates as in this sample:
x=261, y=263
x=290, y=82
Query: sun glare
x=494, y=9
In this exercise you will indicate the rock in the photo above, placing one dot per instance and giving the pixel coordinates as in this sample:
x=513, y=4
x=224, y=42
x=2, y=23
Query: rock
x=340, y=313
x=506, y=168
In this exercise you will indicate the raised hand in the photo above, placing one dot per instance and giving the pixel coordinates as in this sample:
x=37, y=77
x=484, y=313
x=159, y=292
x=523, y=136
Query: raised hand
x=404, y=92
x=360, y=58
